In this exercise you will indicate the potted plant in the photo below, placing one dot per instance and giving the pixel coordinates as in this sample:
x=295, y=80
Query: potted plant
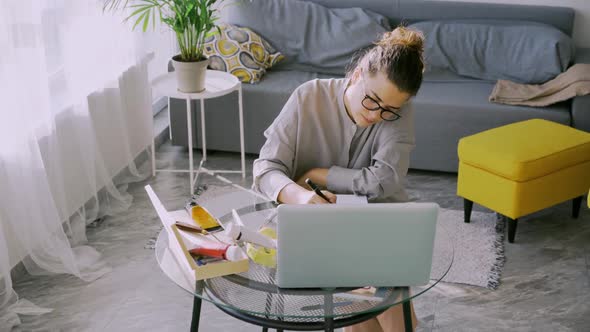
x=191, y=20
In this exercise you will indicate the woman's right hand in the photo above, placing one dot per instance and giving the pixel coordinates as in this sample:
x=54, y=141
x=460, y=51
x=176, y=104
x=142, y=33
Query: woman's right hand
x=310, y=197
x=295, y=194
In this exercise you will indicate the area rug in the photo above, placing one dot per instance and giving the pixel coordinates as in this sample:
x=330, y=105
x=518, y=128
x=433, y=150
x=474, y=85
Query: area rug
x=478, y=246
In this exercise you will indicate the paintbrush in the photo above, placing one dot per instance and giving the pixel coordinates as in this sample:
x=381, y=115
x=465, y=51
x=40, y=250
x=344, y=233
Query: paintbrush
x=195, y=229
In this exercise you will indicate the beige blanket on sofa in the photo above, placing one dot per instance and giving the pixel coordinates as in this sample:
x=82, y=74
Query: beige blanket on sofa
x=573, y=82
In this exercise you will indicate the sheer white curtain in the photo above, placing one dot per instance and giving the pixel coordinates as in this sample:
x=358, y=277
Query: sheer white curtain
x=75, y=110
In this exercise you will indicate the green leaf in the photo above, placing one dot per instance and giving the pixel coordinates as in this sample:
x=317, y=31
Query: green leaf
x=188, y=9
x=139, y=19
x=213, y=32
x=113, y=5
x=191, y=20
x=141, y=9
x=146, y=21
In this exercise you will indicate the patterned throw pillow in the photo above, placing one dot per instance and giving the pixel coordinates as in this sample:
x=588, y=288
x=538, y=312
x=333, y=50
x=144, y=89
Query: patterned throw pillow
x=241, y=52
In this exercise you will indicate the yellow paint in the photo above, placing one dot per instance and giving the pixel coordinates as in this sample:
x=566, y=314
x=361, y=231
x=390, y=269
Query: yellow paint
x=260, y=255
x=203, y=218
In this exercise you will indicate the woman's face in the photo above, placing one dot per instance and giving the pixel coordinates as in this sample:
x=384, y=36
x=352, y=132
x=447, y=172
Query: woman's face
x=369, y=95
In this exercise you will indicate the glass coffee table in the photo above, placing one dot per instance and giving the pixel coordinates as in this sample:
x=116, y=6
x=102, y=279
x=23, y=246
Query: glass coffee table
x=254, y=297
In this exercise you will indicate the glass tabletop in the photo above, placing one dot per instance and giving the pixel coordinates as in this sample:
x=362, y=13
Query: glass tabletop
x=255, y=292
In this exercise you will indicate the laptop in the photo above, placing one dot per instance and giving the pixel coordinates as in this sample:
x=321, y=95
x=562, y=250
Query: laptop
x=331, y=245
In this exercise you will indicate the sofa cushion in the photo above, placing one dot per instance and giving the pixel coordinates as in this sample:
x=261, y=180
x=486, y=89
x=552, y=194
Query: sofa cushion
x=466, y=100
x=312, y=37
x=442, y=75
x=581, y=104
x=447, y=111
x=241, y=52
x=524, y=52
x=284, y=82
x=262, y=104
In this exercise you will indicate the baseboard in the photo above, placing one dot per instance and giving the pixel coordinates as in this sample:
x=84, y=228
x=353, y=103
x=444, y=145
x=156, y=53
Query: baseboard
x=159, y=105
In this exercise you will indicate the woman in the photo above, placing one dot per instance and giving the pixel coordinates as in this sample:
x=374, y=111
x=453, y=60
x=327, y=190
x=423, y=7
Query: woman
x=350, y=136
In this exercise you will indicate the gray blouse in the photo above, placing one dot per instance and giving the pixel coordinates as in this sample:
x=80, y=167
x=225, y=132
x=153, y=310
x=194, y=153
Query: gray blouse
x=313, y=130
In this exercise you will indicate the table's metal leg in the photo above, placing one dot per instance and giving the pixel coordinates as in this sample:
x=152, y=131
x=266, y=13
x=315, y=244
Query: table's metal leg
x=190, y=143
x=169, y=121
x=408, y=316
x=407, y=308
x=154, y=157
x=329, y=312
x=197, y=307
x=203, y=136
x=196, y=179
x=280, y=309
x=268, y=304
x=242, y=132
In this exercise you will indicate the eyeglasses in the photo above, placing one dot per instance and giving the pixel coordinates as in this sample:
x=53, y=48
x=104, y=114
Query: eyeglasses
x=372, y=105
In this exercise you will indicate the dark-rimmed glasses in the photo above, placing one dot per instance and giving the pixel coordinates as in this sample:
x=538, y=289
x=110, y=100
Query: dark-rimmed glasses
x=372, y=105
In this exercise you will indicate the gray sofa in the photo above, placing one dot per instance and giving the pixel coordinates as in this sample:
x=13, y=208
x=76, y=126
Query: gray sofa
x=447, y=106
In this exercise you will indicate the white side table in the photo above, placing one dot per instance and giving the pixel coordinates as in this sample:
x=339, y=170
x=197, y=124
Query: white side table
x=217, y=84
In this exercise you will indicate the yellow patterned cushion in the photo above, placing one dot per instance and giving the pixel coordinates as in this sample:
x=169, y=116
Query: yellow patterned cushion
x=241, y=52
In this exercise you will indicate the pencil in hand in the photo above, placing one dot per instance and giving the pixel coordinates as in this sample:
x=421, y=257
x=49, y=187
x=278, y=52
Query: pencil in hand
x=316, y=189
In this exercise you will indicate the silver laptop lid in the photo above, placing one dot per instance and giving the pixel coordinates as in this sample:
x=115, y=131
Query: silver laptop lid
x=385, y=244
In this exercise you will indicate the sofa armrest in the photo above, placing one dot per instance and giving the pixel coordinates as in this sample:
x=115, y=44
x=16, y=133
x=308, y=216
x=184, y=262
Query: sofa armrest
x=581, y=104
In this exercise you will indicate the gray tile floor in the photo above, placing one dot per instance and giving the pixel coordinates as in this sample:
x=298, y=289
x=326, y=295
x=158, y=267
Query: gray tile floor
x=545, y=284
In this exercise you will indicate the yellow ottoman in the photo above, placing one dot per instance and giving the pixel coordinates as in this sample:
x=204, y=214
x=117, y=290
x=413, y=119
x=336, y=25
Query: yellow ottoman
x=524, y=167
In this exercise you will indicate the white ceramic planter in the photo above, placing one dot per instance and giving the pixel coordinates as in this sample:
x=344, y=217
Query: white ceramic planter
x=190, y=76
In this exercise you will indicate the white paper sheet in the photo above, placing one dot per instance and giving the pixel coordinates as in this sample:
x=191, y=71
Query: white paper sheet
x=351, y=199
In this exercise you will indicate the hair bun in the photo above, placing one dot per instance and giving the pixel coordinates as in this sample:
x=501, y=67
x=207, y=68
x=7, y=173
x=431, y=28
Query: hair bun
x=402, y=36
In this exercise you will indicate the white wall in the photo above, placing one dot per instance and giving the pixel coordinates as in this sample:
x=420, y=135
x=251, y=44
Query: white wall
x=581, y=24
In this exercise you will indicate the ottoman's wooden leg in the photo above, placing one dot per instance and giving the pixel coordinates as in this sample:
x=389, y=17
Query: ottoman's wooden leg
x=576, y=206
x=467, y=206
x=512, y=223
